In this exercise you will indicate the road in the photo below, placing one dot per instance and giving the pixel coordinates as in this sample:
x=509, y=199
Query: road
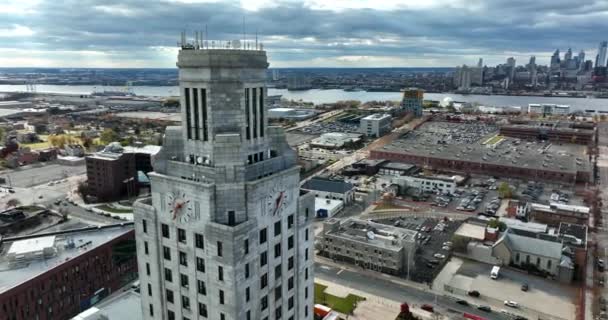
x=322, y=117
x=40, y=173
x=380, y=286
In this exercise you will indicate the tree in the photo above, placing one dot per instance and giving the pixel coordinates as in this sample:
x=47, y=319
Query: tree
x=504, y=190
x=83, y=189
x=108, y=135
x=495, y=223
x=13, y=202
x=459, y=243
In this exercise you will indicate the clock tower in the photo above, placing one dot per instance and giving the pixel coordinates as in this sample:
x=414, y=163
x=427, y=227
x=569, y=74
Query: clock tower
x=226, y=233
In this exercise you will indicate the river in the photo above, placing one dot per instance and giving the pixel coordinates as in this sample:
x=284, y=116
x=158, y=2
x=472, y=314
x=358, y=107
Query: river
x=327, y=96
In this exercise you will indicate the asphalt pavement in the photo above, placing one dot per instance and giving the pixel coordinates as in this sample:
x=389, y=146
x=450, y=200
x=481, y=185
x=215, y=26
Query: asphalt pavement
x=381, y=286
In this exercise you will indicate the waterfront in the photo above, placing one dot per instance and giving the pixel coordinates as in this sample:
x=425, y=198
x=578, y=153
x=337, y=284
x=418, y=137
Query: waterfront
x=328, y=96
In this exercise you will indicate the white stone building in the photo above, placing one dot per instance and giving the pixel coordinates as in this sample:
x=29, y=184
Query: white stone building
x=226, y=233
x=375, y=125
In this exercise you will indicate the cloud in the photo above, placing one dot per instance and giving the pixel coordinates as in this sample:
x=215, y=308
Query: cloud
x=310, y=33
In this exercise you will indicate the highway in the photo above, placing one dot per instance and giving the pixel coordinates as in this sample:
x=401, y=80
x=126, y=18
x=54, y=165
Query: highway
x=380, y=287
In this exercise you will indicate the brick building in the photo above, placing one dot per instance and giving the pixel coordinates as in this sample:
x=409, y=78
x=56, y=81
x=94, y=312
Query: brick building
x=57, y=275
x=560, y=132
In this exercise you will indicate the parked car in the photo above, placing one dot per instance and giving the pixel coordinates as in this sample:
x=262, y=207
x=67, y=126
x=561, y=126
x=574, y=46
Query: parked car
x=427, y=307
x=439, y=256
x=524, y=287
x=485, y=308
x=462, y=302
x=474, y=293
x=511, y=303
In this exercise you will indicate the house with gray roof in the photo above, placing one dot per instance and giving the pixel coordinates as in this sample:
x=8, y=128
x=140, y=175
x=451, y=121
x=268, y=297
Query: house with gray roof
x=330, y=189
x=547, y=254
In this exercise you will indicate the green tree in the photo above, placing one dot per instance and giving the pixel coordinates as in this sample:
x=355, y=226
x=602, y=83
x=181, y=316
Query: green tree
x=459, y=243
x=13, y=202
x=108, y=135
x=495, y=223
x=504, y=190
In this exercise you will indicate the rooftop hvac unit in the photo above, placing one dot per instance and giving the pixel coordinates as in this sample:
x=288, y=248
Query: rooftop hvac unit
x=371, y=235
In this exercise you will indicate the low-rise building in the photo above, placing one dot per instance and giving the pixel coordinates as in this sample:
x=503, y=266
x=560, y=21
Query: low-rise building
x=548, y=109
x=335, y=140
x=74, y=150
x=397, y=168
x=330, y=189
x=370, y=245
x=327, y=208
x=375, y=125
x=542, y=254
x=556, y=213
x=430, y=183
x=60, y=274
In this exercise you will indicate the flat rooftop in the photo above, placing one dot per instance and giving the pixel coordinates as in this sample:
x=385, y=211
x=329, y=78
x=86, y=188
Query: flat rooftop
x=126, y=305
x=470, y=142
x=376, y=234
x=13, y=273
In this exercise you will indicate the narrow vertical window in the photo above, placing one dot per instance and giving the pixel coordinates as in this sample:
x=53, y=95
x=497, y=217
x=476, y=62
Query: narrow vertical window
x=204, y=111
x=187, y=107
x=247, y=113
x=255, y=112
x=261, y=112
x=196, y=108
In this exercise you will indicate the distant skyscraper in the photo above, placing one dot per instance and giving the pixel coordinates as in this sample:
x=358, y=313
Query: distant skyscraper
x=601, y=54
x=511, y=65
x=581, y=60
x=480, y=63
x=532, y=69
x=555, y=61
x=275, y=75
x=462, y=77
x=412, y=101
x=568, y=55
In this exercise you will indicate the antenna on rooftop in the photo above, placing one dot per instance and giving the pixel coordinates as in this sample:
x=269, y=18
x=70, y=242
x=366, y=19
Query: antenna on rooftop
x=256, y=39
x=244, y=34
x=206, y=37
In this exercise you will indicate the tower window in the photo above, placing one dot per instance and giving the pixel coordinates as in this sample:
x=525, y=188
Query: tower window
x=188, y=117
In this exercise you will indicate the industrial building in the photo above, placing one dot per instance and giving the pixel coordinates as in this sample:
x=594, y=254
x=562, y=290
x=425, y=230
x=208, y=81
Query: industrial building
x=335, y=140
x=508, y=157
x=376, y=125
x=548, y=109
x=290, y=114
x=429, y=183
x=368, y=244
x=59, y=274
x=554, y=131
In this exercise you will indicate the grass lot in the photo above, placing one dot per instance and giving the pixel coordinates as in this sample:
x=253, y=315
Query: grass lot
x=342, y=305
x=108, y=208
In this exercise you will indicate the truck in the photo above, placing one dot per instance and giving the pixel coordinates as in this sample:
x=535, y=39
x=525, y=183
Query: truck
x=495, y=272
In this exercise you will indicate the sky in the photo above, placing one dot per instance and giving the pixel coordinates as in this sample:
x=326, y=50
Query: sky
x=307, y=33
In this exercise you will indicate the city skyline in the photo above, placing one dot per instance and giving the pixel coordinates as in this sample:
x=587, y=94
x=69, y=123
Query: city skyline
x=341, y=34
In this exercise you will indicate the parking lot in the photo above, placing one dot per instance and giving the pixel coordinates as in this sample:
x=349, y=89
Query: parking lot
x=544, y=298
x=40, y=173
x=321, y=127
x=435, y=248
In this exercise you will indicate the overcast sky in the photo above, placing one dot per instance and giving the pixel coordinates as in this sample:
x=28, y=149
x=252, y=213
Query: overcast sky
x=310, y=33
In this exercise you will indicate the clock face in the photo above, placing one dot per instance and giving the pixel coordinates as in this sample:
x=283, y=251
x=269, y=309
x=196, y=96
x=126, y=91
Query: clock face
x=180, y=207
x=277, y=200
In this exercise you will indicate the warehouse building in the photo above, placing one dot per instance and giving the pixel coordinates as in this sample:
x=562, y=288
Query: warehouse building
x=509, y=157
x=556, y=131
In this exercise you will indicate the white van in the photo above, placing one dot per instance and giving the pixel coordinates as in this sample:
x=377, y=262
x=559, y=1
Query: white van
x=495, y=272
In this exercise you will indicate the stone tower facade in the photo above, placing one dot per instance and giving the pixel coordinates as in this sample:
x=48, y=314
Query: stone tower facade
x=226, y=233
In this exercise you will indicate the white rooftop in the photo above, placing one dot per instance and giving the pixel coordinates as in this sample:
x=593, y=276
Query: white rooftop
x=31, y=245
x=84, y=241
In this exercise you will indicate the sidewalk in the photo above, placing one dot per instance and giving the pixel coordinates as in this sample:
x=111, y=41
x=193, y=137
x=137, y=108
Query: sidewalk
x=373, y=274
